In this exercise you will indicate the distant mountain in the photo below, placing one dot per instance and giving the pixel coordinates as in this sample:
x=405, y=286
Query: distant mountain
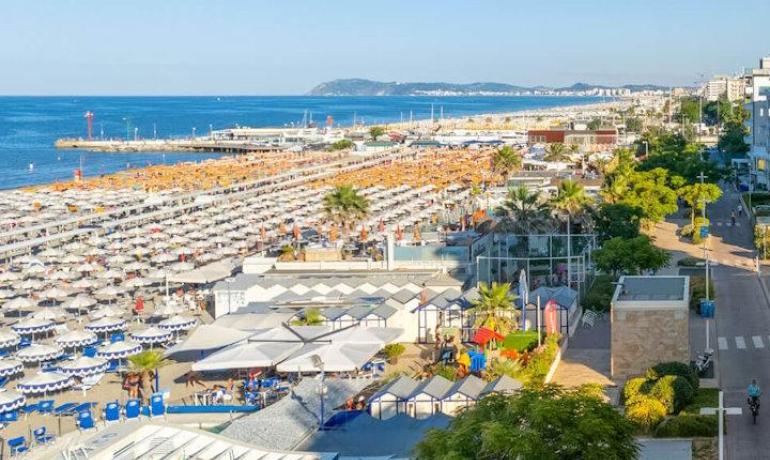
x=362, y=87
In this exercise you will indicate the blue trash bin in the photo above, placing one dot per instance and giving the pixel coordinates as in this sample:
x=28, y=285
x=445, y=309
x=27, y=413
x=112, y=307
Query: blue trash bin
x=707, y=308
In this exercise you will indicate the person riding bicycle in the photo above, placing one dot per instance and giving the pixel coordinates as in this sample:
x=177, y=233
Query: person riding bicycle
x=754, y=392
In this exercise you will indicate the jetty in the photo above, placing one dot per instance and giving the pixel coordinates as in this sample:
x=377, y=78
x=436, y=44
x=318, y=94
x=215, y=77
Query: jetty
x=166, y=145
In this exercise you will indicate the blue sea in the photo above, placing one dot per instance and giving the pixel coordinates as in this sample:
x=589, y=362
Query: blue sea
x=30, y=125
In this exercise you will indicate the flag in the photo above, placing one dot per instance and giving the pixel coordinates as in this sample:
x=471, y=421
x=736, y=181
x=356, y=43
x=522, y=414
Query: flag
x=524, y=296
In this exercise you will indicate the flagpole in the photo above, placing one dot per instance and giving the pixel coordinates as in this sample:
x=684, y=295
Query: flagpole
x=539, y=322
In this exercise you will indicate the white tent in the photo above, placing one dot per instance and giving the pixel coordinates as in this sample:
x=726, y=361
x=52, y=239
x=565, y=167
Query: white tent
x=207, y=274
x=247, y=355
x=336, y=357
x=209, y=337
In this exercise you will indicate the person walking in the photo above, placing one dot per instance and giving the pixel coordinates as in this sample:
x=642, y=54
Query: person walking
x=732, y=217
x=740, y=210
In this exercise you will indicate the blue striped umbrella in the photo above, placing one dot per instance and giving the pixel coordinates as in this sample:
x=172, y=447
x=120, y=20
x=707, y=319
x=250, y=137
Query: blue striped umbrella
x=10, y=400
x=44, y=382
x=119, y=350
x=84, y=366
x=10, y=367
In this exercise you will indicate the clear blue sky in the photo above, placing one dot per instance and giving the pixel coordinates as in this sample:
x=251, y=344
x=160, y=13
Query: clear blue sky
x=287, y=46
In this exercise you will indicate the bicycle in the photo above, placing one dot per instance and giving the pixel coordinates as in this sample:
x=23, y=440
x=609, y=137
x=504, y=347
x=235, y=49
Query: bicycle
x=754, y=407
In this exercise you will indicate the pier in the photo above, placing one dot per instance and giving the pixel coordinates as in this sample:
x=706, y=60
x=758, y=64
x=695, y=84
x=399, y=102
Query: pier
x=166, y=145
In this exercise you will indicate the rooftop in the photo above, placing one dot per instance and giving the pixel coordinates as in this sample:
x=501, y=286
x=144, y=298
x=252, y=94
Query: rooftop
x=655, y=292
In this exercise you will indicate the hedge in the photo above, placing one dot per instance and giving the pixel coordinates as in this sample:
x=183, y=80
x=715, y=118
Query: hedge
x=688, y=426
x=520, y=341
x=646, y=412
x=673, y=391
x=598, y=298
x=698, y=290
x=633, y=389
x=675, y=368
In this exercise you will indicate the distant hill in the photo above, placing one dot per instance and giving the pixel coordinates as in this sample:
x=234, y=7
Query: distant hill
x=362, y=87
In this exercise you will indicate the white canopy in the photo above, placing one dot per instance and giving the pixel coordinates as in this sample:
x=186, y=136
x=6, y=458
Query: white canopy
x=44, y=382
x=84, y=366
x=38, y=352
x=247, y=355
x=77, y=338
x=207, y=274
x=336, y=357
x=209, y=337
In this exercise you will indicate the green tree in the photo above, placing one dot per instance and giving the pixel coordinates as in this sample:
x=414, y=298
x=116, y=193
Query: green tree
x=344, y=205
x=617, y=220
x=147, y=364
x=523, y=211
x=342, y=144
x=689, y=109
x=732, y=139
x=649, y=192
x=549, y=423
x=555, y=152
x=594, y=124
x=493, y=307
x=505, y=160
x=698, y=195
x=630, y=256
x=634, y=124
x=376, y=131
x=570, y=200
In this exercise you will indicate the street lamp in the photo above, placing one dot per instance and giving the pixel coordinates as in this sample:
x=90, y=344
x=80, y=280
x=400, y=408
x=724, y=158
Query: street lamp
x=128, y=128
x=193, y=133
x=318, y=362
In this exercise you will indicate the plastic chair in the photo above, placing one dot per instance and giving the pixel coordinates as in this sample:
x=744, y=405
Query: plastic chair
x=89, y=352
x=85, y=420
x=45, y=406
x=8, y=417
x=41, y=435
x=64, y=408
x=117, y=337
x=113, y=367
x=157, y=406
x=24, y=342
x=17, y=445
x=112, y=412
x=132, y=409
x=49, y=366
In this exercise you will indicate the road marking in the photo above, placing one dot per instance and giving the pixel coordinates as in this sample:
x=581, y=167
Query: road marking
x=722, y=343
x=758, y=341
x=719, y=224
x=740, y=343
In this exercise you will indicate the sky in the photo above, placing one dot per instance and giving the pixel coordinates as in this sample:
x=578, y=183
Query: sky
x=239, y=47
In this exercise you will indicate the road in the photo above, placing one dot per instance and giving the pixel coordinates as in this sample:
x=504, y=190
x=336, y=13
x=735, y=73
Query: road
x=742, y=325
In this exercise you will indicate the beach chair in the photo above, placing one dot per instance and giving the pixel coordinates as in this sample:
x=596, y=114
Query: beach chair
x=117, y=337
x=157, y=406
x=8, y=417
x=88, y=382
x=4, y=381
x=89, y=352
x=49, y=366
x=4, y=354
x=45, y=406
x=41, y=435
x=24, y=342
x=111, y=412
x=132, y=410
x=114, y=366
x=64, y=408
x=17, y=446
x=87, y=406
x=85, y=420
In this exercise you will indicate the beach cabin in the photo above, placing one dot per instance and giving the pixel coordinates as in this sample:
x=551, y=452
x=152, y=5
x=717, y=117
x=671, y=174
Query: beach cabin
x=440, y=309
x=463, y=394
x=391, y=398
x=427, y=398
x=369, y=316
x=565, y=298
x=502, y=385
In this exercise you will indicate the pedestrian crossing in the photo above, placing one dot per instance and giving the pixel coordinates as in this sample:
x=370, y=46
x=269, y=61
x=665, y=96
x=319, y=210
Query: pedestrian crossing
x=727, y=224
x=739, y=342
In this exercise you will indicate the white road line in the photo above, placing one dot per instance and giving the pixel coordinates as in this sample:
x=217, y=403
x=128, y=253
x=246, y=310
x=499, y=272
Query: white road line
x=740, y=343
x=719, y=224
x=722, y=343
x=758, y=341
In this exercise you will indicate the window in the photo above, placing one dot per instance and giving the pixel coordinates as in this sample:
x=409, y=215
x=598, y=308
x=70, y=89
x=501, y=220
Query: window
x=761, y=165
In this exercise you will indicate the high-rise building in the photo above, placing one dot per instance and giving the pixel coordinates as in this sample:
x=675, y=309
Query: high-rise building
x=720, y=86
x=758, y=124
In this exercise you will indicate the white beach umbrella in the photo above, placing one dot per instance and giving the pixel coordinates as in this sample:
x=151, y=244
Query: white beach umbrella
x=168, y=309
x=84, y=366
x=10, y=276
x=9, y=367
x=106, y=324
x=136, y=266
x=164, y=257
x=80, y=302
x=107, y=311
x=119, y=350
x=10, y=401
x=44, y=382
x=86, y=268
x=181, y=266
x=56, y=293
x=75, y=339
x=38, y=352
x=178, y=323
x=6, y=293
x=19, y=303
x=33, y=326
x=136, y=282
x=8, y=338
x=84, y=283
x=64, y=276
x=31, y=284
x=110, y=292
x=151, y=335
x=110, y=274
x=49, y=313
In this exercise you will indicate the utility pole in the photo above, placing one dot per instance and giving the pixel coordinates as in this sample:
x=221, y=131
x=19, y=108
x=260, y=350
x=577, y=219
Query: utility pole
x=702, y=178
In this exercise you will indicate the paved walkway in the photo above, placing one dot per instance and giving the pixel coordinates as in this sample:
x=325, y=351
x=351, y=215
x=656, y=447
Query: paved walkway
x=587, y=360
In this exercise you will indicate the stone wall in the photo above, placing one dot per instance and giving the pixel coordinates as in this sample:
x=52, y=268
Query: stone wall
x=643, y=338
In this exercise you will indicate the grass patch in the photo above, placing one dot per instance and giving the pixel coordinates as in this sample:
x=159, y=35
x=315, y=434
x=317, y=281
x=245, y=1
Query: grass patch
x=704, y=397
x=520, y=341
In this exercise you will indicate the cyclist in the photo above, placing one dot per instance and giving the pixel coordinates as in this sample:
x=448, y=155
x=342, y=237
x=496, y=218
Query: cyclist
x=754, y=392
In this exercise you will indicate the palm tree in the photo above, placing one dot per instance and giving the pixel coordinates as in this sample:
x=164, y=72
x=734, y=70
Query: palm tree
x=505, y=160
x=146, y=364
x=524, y=210
x=311, y=317
x=344, y=205
x=555, y=152
x=493, y=305
x=571, y=199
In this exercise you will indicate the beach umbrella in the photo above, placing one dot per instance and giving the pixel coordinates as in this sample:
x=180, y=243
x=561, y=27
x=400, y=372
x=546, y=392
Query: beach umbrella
x=136, y=282
x=178, y=323
x=169, y=309
x=33, y=326
x=80, y=302
x=8, y=338
x=55, y=293
x=44, y=382
x=119, y=350
x=106, y=324
x=6, y=293
x=10, y=276
x=164, y=258
x=84, y=283
x=34, y=270
x=110, y=291
x=64, y=276
x=19, y=303
x=107, y=311
x=75, y=339
x=85, y=268
x=29, y=285
x=151, y=335
x=50, y=314
x=9, y=367
x=10, y=401
x=84, y=366
x=110, y=274
x=38, y=353
x=136, y=266
x=182, y=266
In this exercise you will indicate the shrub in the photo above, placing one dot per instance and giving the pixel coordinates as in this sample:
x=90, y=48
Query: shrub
x=446, y=371
x=698, y=290
x=646, y=412
x=690, y=261
x=675, y=368
x=520, y=341
x=633, y=389
x=673, y=391
x=342, y=144
x=699, y=222
x=599, y=295
x=688, y=426
x=394, y=350
x=500, y=367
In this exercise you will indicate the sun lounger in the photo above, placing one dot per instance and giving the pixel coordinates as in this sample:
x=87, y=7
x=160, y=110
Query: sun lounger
x=112, y=412
x=17, y=445
x=132, y=410
x=64, y=408
x=41, y=435
x=85, y=420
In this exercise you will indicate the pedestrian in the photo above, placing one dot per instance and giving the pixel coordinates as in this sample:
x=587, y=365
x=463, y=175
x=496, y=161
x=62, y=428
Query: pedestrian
x=740, y=210
x=732, y=217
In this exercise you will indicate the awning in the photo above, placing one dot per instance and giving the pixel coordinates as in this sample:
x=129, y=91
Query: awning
x=208, y=337
x=247, y=355
x=336, y=357
x=484, y=335
x=206, y=274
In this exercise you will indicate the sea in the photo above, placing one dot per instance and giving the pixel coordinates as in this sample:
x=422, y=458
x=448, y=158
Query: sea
x=30, y=125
